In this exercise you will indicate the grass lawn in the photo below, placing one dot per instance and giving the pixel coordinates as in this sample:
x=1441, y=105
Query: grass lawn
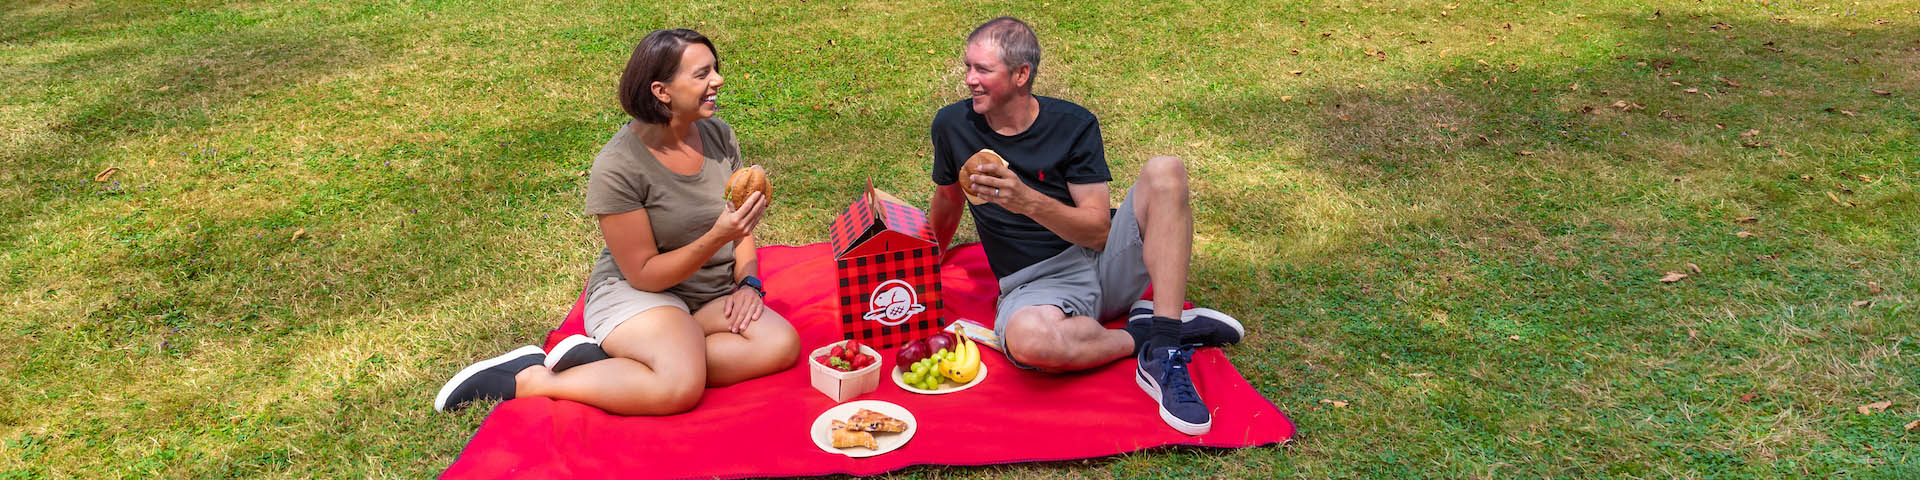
x=1446, y=224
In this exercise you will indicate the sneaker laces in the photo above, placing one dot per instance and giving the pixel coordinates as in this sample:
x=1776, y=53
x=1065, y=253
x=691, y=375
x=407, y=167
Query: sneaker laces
x=1176, y=368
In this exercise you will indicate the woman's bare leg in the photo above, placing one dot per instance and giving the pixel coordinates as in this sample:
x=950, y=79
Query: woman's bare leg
x=768, y=345
x=659, y=367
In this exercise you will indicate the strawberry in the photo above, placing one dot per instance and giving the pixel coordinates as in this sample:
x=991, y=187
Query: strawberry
x=838, y=352
x=823, y=360
x=853, y=349
x=862, y=361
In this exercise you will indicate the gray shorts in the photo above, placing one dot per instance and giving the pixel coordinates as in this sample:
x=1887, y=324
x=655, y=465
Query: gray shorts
x=613, y=301
x=1080, y=281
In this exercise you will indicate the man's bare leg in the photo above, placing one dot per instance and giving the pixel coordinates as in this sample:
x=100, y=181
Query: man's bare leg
x=1162, y=205
x=1044, y=337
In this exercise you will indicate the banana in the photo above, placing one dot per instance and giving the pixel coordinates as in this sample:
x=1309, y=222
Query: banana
x=968, y=365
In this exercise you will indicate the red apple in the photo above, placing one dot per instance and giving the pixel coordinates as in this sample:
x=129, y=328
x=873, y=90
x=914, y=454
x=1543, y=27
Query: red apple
x=911, y=353
x=939, y=341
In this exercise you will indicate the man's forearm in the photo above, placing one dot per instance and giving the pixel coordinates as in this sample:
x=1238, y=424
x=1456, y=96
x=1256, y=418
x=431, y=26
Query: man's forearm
x=1084, y=226
x=944, y=212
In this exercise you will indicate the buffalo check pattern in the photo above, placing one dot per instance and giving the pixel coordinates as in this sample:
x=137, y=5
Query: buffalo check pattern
x=914, y=258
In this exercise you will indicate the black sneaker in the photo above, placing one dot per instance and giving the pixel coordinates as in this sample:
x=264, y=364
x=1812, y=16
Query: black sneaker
x=1200, y=326
x=489, y=379
x=1162, y=373
x=575, y=351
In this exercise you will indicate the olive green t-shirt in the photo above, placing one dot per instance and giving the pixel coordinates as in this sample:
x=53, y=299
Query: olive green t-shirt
x=626, y=177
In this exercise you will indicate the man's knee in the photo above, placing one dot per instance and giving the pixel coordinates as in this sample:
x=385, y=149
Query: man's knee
x=1033, y=340
x=1165, y=176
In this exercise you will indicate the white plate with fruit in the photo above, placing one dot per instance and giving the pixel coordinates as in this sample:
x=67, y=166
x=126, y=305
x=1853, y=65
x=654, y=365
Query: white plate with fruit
x=943, y=364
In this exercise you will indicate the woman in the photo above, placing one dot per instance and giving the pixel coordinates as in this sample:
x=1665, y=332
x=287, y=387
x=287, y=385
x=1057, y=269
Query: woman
x=673, y=305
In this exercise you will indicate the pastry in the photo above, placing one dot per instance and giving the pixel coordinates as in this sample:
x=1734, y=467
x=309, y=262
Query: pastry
x=846, y=437
x=872, y=421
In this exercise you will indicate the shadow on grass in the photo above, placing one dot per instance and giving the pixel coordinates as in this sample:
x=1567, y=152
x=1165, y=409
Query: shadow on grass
x=1558, y=186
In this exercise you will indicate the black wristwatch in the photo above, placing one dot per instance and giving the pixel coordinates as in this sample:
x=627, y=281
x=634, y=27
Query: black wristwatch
x=753, y=283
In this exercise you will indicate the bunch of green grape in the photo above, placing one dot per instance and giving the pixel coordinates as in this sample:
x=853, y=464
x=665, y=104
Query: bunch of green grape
x=925, y=374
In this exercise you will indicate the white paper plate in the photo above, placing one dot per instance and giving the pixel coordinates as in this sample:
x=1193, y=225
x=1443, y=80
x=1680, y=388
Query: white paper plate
x=945, y=388
x=822, y=430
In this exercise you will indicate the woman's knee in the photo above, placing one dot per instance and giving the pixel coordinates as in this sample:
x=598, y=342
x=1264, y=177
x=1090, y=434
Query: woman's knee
x=682, y=392
x=778, y=337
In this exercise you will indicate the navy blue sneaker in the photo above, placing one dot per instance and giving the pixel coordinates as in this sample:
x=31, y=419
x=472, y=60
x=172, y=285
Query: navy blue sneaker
x=1162, y=373
x=490, y=379
x=1199, y=326
x=574, y=351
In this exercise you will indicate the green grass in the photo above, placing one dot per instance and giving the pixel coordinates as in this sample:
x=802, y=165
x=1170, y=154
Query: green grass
x=1460, y=235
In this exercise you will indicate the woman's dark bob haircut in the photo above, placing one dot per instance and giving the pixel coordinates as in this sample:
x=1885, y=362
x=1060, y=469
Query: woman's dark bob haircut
x=654, y=60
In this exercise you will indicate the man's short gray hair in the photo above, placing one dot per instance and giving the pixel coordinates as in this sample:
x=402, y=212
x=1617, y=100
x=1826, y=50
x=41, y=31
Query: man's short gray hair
x=1018, y=46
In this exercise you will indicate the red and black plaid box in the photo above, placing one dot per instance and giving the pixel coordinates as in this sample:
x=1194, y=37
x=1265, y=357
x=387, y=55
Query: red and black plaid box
x=888, y=265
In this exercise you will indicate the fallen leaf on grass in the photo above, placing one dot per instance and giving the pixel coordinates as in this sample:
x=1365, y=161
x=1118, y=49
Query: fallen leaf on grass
x=1913, y=425
x=1672, y=277
x=1746, y=220
x=1721, y=26
x=299, y=233
x=1750, y=133
x=1526, y=153
x=1743, y=234
x=1868, y=409
x=1513, y=337
x=105, y=175
x=1748, y=397
x=1840, y=111
x=1758, y=144
x=1692, y=90
x=1297, y=72
x=1873, y=288
x=1335, y=403
x=1863, y=304
x=1881, y=92
x=1286, y=98
x=1194, y=144
x=1836, y=199
x=1695, y=268
x=1293, y=51
x=1729, y=83
x=1766, y=257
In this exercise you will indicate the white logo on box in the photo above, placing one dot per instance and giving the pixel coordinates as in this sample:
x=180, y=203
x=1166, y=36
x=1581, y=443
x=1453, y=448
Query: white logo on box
x=893, y=301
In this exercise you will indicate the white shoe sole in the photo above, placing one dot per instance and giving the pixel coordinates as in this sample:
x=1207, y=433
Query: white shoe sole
x=1153, y=390
x=565, y=346
x=440, y=401
x=1189, y=314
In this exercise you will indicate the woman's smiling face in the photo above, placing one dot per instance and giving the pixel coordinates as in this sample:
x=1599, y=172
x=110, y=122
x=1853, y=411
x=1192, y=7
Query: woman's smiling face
x=695, y=87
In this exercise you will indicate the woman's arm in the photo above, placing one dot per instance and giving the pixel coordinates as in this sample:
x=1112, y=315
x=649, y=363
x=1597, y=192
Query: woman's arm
x=746, y=260
x=630, y=237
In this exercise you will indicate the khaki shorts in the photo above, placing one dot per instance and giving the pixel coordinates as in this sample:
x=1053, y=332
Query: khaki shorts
x=1080, y=281
x=613, y=301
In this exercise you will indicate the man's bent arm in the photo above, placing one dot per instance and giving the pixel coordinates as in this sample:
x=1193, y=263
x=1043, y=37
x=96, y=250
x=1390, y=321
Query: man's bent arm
x=1086, y=223
x=947, y=206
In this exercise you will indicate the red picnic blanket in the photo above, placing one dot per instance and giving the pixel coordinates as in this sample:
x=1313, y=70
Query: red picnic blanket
x=760, y=427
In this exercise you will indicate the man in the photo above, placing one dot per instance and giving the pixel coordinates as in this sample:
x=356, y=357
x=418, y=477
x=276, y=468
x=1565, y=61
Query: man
x=1064, y=258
